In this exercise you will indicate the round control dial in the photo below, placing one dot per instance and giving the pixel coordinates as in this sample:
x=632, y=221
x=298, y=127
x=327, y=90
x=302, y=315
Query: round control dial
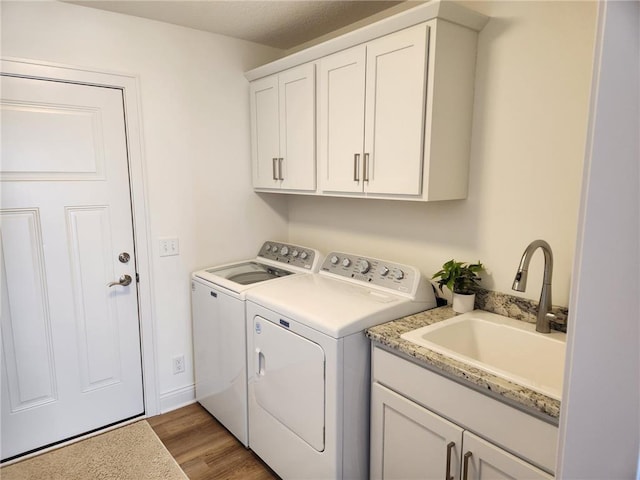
x=284, y=250
x=398, y=274
x=364, y=266
x=274, y=249
x=384, y=271
x=304, y=255
x=335, y=260
x=346, y=262
x=295, y=253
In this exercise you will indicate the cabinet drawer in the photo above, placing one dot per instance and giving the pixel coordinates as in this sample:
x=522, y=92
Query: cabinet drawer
x=503, y=425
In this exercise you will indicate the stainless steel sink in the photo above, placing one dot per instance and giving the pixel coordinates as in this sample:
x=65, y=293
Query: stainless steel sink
x=505, y=347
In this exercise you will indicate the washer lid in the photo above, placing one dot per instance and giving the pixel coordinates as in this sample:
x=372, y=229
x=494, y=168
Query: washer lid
x=236, y=275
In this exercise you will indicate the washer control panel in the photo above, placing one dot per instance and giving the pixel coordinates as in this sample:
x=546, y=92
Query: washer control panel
x=288, y=254
x=391, y=275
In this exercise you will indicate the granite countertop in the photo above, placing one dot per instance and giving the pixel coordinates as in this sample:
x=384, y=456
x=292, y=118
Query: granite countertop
x=388, y=335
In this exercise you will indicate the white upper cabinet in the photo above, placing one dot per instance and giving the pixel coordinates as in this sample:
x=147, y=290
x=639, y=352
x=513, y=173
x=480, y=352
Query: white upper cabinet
x=283, y=130
x=371, y=110
x=395, y=102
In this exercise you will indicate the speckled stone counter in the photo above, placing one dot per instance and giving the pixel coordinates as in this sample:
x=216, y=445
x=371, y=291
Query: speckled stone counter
x=388, y=335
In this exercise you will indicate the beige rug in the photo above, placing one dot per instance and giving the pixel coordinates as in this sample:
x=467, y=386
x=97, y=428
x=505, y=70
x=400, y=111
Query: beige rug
x=132, y=452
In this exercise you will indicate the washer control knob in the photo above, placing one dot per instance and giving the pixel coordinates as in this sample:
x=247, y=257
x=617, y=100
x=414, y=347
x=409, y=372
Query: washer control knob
x=284, y=250
x=335, y=260
x=384, y=271
x=398, y=275
x=274, y=249
x=304, y=255
x=346, y=262
x=365, y=266
x=267, y=247
x=295, y=253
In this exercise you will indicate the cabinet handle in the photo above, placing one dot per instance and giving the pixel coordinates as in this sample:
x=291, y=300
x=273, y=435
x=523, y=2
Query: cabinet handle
x=274, y=160
x=280, y=177
x=447, y=475
x=465, y=469
x=366, y=167
x=356, y=167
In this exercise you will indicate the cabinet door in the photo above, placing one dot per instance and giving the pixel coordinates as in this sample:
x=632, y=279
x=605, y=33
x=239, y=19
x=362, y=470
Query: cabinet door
x=265, y=131
x=297, y=90
x=408, y=441
x=486, y=461
x=341, y=116
x=394, y=112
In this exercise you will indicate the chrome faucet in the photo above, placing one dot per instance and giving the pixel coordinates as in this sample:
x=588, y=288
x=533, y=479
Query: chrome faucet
x=520, y=283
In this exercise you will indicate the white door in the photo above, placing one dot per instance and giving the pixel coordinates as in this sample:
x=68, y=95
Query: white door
x=341, y=116
x=297, y=98
x=394, y=112
x=485, y=461
x=265, y=131
x=289, y=380
x=410, y=442
x=70, y=344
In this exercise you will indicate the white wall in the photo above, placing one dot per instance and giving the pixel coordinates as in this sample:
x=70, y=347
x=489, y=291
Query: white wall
x=600, y=418
x=529, y=128
x=196, y=145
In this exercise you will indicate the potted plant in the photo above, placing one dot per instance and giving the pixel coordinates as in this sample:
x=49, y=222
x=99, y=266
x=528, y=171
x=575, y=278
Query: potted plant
x=461, y=279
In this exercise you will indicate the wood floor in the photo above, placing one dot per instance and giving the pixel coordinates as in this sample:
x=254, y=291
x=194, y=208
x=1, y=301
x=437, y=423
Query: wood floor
x=205, y=449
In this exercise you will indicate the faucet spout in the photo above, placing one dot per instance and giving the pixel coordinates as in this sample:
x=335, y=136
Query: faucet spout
x=520, y=282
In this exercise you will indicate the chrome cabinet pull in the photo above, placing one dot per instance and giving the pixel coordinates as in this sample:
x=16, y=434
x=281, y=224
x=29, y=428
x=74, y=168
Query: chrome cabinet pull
x=123, y=281
x=356, y=167
x=280, y=177
x=366, y=167
x=274, y=160
x=447, y=475
x=465, y=469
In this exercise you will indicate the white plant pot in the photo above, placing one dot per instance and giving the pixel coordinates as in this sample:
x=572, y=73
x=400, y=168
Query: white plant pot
x=463, y=303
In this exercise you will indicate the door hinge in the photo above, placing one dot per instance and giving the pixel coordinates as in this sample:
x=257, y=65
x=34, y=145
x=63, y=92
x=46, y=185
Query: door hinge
x=137, y=277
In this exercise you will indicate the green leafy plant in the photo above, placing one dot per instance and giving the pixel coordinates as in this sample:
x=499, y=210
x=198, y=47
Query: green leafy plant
x=459, y=277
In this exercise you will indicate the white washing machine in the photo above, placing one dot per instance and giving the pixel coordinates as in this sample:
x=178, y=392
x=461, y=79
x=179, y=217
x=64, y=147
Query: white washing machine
x=309, y=362
x=219, y=326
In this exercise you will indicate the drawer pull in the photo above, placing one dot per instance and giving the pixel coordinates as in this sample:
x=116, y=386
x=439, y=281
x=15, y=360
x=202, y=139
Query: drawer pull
x=465, y=470
x=450, y=447
x=356, y=167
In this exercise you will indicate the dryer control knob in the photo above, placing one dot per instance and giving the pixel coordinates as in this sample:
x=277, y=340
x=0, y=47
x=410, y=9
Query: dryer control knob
x=295, y=253
x=267, y=247
x=398, y=275
x=284, y=250
x=335, y=260
x=346, y=262
x=274, y=249
x=384, y=271
x=304, y=255
x=364, y=266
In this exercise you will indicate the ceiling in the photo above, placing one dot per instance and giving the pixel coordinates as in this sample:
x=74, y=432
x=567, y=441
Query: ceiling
x=282, y=24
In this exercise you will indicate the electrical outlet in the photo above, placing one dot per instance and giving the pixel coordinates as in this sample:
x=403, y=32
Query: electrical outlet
x=169, y=246
x=178, y=364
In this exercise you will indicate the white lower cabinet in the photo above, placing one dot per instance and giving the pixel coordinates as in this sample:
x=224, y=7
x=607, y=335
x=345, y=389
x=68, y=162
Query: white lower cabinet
x=409, y=441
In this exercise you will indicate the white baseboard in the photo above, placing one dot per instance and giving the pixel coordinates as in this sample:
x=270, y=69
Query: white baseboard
x=180, y=397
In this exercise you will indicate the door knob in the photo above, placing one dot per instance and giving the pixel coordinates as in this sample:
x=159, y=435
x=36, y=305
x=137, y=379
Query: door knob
x=124, y=281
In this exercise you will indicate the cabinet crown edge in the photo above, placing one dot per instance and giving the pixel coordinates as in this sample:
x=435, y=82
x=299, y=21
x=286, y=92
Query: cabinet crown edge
x=436, y=9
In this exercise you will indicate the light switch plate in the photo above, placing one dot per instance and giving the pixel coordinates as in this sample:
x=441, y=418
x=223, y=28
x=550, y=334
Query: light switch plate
x=169, y=246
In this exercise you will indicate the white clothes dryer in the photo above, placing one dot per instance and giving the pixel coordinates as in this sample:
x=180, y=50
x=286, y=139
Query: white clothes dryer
x=309, y=362
x=219, y=326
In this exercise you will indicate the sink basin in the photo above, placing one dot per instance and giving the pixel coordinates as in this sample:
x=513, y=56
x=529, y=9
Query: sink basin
x=508, y=348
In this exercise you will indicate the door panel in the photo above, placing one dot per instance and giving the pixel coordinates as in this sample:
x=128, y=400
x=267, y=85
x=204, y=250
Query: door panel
x=298, y=127
x=396, y=85
x=289, y=380
x=70, y=344
x=409, y=441
x=341, y=115
x=265, y=128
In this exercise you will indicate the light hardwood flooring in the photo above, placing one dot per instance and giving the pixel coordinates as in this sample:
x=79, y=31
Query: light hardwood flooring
x=205, y=449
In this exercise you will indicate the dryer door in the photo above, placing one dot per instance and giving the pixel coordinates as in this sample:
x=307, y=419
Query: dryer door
x=289, y=380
